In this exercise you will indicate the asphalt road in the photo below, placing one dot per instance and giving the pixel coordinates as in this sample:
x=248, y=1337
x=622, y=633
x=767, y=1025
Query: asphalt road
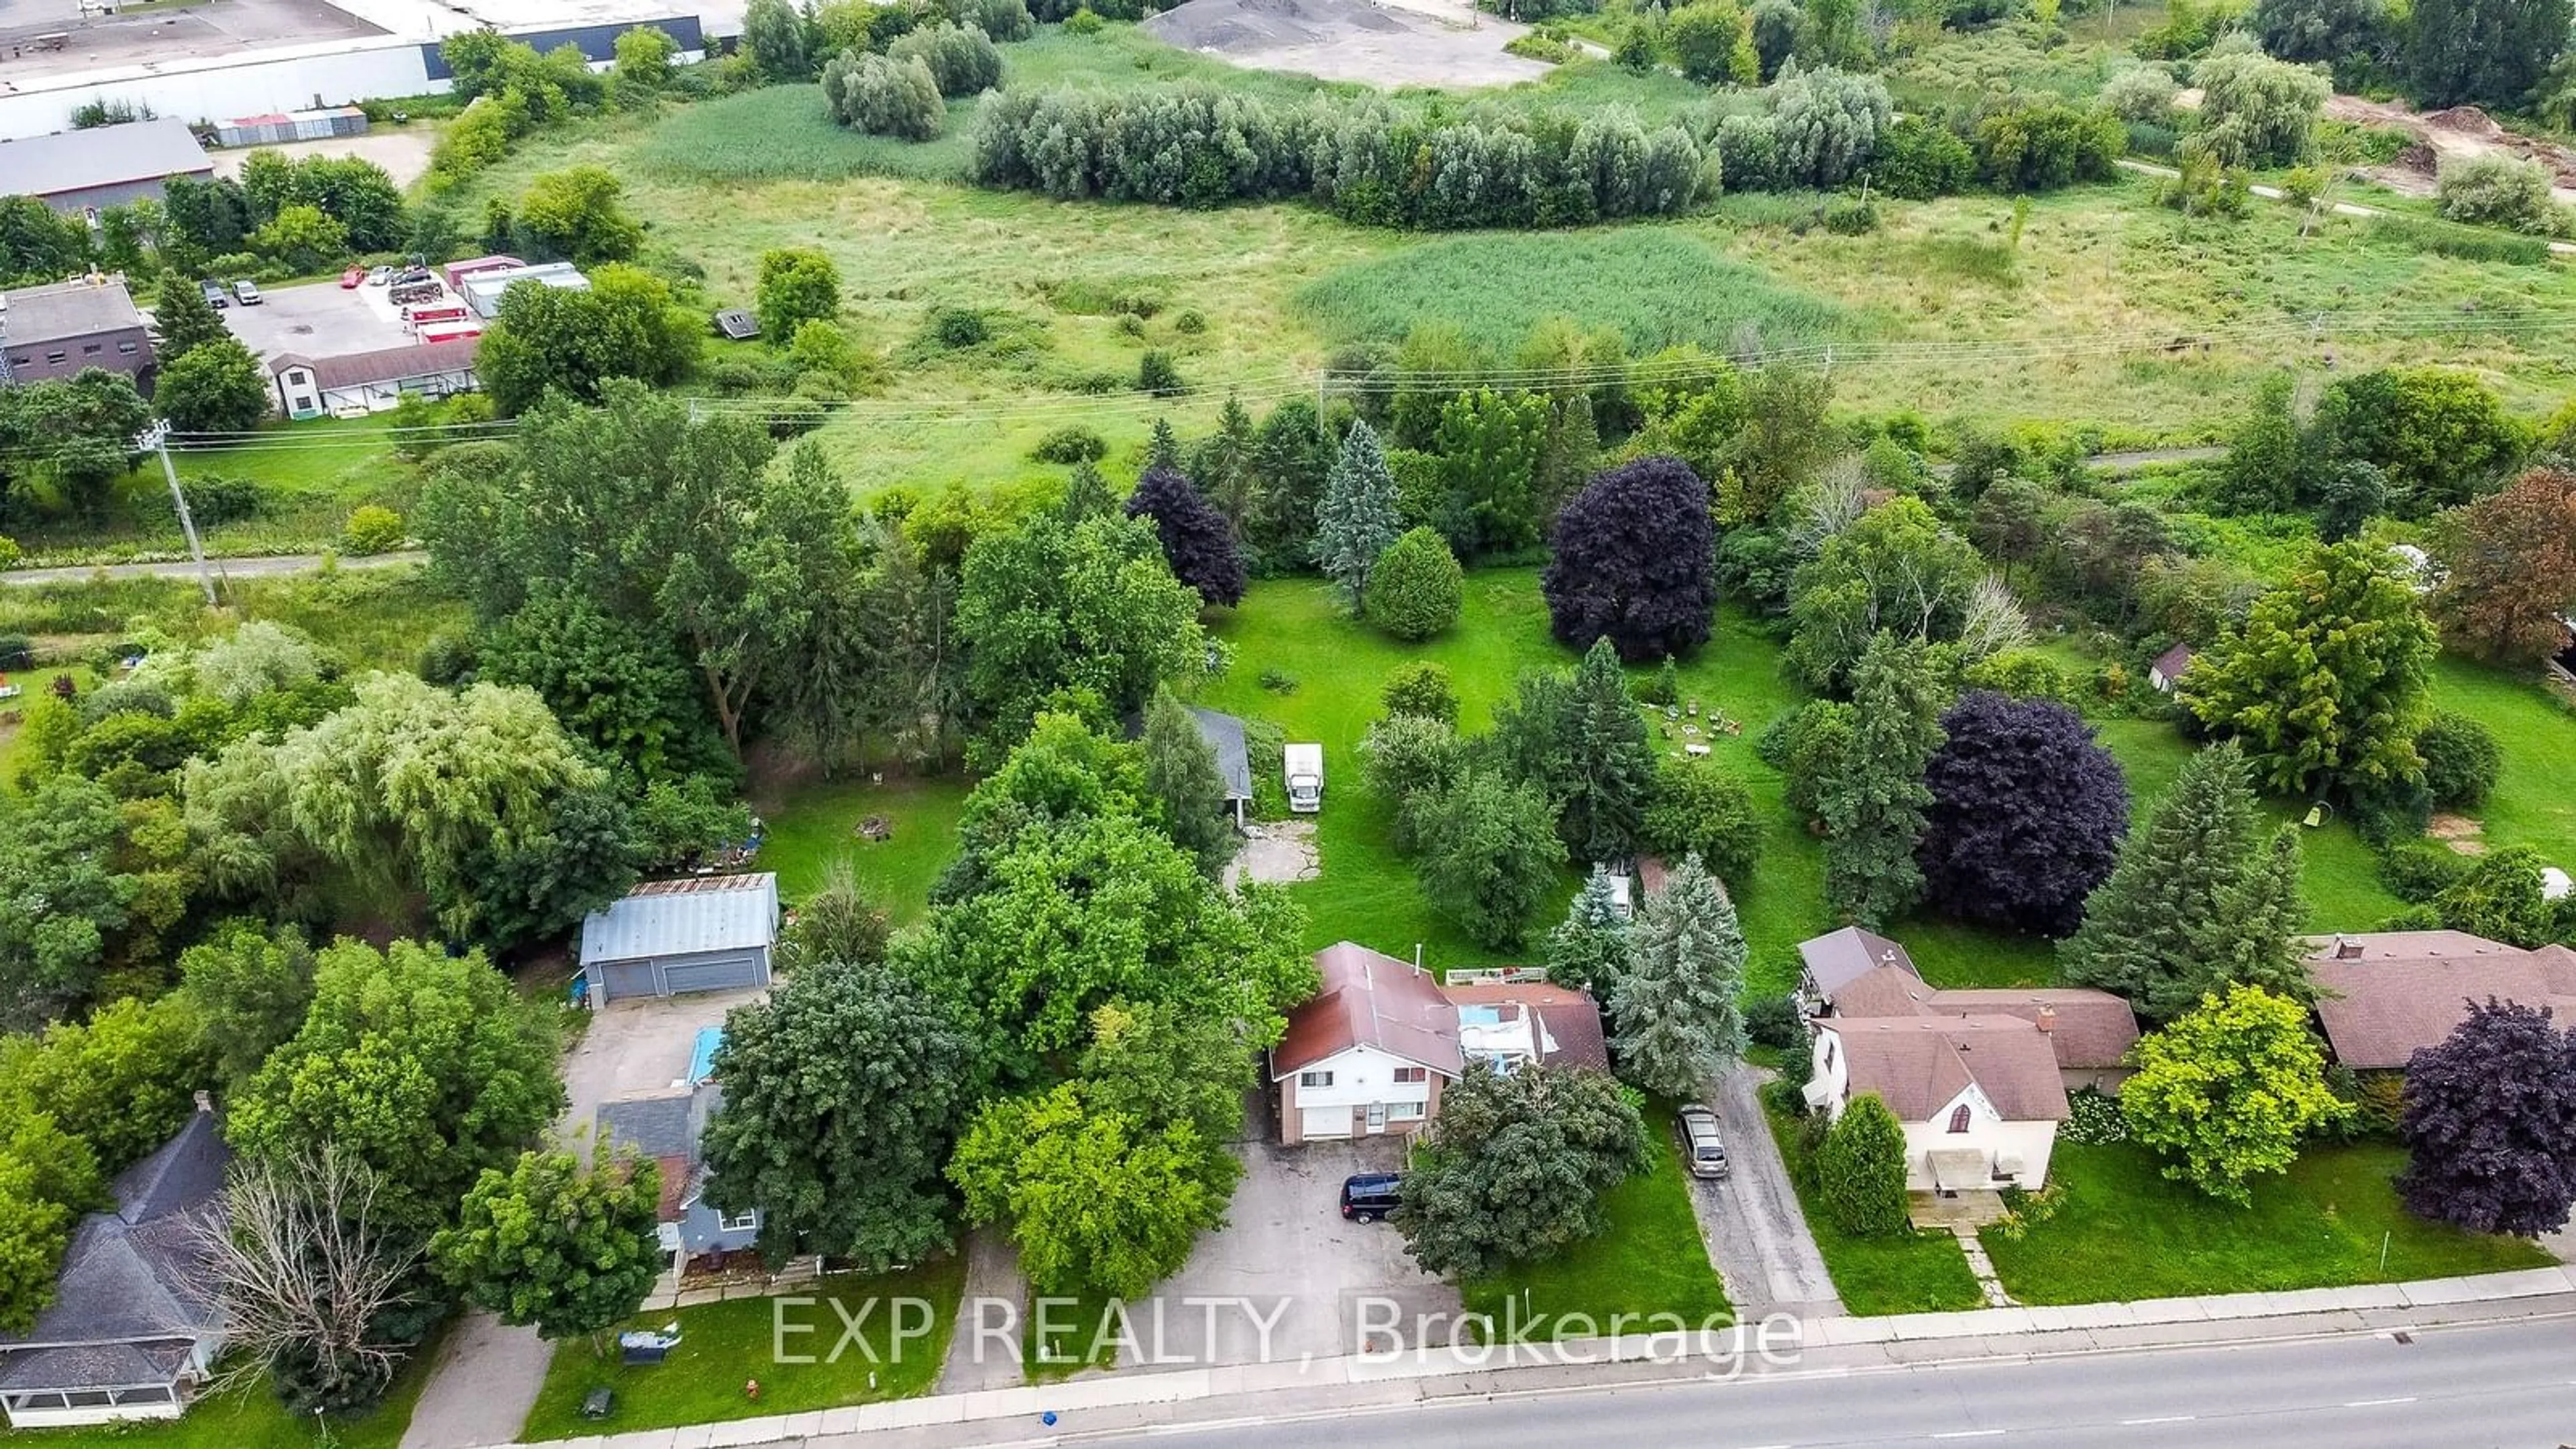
x=2503, y=1385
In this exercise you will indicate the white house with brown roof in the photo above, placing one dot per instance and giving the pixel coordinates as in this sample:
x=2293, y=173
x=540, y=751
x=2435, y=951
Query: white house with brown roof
x=1978, y=1078
x=313, y=387
x=1370, y=1051
x=2382, y=996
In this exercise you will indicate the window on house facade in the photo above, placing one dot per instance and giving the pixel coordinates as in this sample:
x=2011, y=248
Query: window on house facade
x=739, y=1223
x=1314, y=1079
x=1412, y=1074
x=125, y=349
x=1404, y=1111
x=92, y=349
x=1959, y=1118
x=54, y=356
x=1829, y=1054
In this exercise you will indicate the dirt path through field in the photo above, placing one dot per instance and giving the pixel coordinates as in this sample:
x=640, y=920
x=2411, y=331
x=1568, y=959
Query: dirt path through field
x=2458, y=133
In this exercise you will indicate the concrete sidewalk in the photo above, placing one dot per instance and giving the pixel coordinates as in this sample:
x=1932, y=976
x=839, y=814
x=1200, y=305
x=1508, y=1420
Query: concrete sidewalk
x=1136, y=1400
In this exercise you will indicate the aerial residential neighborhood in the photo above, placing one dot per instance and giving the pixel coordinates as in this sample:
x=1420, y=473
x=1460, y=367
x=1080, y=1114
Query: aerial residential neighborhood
x=947, y=722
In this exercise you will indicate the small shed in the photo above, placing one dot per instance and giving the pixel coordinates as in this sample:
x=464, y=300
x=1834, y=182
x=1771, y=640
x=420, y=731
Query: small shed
x=1224, y=735
x=737, y=324
x=2169, y=668
x=669, y=937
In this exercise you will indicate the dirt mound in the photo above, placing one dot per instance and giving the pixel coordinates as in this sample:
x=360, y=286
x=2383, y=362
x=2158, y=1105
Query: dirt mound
x=2466, y=121
x=1400, y=42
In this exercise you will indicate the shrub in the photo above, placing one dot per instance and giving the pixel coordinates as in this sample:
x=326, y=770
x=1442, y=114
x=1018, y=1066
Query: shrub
x=2461, y=760
x=372, y=529
x=226, y=498
x=2415, y=871
x=17, y=651
x=1004, y=20
x=1919, y=160
x=1084, y=22
x=2495, y=191
x=1421, y=689
x=959, y=327
x=2038, y=145
x=1851, y=217
x=2092, y=1119
x=1278, y=681
x=1072, y=443
x=1190, y=323
x=2023, y=673
x=1860, y=1172
x=1776, y=1021
x=2143, y=94
x=1415, y=590
x=1158, y=375
x=885, y=97
x=963, y=60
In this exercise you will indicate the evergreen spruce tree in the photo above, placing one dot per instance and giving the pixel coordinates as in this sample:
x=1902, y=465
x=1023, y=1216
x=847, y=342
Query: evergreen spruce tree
x=182, y=318
x=1181, y=773
x=1613, y=766
x=1086, y=494
x=1221, y=465
x=1590, y=951
x=1678, y=1021
x=2185, y=909
x=1860, y=1170
x=2260, y=926
x=1163, y=450
x=1356, y=519
x=1873, y=801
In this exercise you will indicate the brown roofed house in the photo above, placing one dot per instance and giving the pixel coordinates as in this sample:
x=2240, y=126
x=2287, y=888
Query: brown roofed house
x=1368, y=1053
x=2383, y=996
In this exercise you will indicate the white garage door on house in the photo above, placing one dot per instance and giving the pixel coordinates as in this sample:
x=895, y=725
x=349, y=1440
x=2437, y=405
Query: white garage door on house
x=1325, y=1122
x=666, y=938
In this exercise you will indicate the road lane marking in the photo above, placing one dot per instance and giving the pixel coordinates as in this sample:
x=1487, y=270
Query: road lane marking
x=2376, y=1403
x=1972, y=1434
x=2164, y=1419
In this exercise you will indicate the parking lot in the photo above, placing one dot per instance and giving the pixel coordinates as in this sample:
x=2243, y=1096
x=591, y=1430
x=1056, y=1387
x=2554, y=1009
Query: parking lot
x=323, y=319
x=1287, y=1243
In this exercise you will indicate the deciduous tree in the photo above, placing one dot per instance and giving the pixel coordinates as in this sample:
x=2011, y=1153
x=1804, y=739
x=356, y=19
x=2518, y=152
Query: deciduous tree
x=2027, y=815
x=247, y=987
x=1196, y=540
x=2226, y=1091
x=1488, y=852
x=1702, y=808
x=2483, y=52
x=1633, y=562
x=1896, y=570
x=2441, y=436
x=423, y=1067
x=842, y=1093
x=797, y=285
x=2490, y=1123
x=1675, y=1005
x=213, y=387
x=2327, y=682
x=2511, y=570
x=554, y=1246
x=1095, y=1201
x=1514, y=1169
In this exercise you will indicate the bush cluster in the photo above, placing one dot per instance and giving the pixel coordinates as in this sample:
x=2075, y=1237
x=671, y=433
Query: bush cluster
x=1202, y=147
x=962, y=60
x=883, y=96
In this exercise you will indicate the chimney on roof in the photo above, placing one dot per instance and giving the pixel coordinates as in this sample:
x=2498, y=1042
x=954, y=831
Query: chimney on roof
x=205, y=1102
x=2047, y=1018
x=2347, y=950
x=1887, y=957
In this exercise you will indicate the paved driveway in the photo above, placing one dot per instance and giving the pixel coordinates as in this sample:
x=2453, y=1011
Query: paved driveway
x=488, y=1374
x=1756, y=1233
x=1286, y=1251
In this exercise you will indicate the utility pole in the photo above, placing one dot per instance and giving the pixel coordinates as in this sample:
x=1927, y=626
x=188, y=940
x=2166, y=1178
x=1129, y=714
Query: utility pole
x=156, y=439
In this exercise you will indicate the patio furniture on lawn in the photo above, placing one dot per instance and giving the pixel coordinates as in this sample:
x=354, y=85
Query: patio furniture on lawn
x=1695, y=751
x=597, y=1403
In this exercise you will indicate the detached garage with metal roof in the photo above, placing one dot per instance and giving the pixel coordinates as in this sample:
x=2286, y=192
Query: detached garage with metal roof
x=668, y=937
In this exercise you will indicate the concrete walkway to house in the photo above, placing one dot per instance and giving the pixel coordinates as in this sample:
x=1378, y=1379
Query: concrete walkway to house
x=1149, y=1402
x=1756, y=1233
x=1984, y=1267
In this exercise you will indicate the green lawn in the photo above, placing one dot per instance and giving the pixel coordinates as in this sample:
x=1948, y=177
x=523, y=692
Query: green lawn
x=251, y=1418
x=2532, y=804
x=2122, y=1231
x=33, y=684
x=1650, y=1260
x=814, y=827
x=309, y=476
x=1078, y=1335
x=725, y=1345
x=1917, y=1273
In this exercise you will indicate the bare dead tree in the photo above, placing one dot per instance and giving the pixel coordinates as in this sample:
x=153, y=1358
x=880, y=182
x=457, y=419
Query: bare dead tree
x=303, y=1268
